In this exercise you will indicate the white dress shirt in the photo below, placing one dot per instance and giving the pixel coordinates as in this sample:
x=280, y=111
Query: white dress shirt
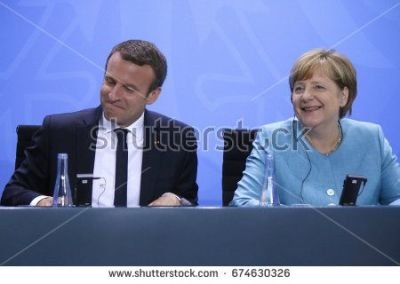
x=105, y=159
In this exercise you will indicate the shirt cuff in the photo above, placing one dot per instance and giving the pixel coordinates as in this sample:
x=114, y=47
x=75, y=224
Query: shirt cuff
x=37, y=199
x=396, y=202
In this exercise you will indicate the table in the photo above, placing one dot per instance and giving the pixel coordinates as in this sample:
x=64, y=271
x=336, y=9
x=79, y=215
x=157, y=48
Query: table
x=200, y=236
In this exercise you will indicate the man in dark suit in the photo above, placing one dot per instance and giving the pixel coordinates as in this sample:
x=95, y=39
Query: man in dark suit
x=162, y=159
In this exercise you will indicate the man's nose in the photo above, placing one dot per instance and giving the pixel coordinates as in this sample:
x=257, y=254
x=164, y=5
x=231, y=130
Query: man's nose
x=115, y=92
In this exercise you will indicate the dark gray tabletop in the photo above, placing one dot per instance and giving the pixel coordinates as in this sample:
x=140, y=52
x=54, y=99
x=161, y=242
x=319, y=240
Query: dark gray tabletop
x=200, y=236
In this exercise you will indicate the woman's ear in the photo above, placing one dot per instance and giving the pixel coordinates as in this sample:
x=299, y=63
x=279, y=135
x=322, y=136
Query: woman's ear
x=344, y=97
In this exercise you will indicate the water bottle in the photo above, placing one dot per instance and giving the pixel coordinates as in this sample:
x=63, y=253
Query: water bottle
x=62, y=196
x=269, y=195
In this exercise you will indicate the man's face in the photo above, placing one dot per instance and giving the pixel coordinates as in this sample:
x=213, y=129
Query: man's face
x=125, y=90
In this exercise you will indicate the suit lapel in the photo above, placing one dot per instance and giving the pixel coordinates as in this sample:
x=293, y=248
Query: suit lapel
x=150, y=160
x=86, y=138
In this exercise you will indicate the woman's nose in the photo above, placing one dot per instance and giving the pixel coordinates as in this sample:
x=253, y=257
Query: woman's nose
x=306, y=96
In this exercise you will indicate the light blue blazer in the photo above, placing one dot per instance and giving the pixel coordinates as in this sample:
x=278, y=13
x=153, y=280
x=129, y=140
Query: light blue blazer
x=302, y=175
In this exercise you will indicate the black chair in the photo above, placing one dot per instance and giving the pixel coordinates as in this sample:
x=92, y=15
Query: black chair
x=24, y=136
x=237, y=147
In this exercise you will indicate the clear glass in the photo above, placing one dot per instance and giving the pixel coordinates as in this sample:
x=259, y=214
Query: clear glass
x=269, y=194
x=62, y=196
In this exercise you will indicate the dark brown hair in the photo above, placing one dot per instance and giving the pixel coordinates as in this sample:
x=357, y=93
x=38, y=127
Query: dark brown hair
x=142, y=53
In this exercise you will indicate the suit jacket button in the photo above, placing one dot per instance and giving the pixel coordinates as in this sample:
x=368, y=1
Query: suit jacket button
x=330, y=192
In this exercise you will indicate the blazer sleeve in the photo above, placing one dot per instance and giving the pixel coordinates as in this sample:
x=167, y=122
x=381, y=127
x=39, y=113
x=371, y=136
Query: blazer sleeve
x=249, y=188
x=390, y=173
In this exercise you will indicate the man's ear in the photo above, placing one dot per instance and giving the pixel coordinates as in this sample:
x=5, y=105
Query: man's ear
x=153, y=96
x=344, y=97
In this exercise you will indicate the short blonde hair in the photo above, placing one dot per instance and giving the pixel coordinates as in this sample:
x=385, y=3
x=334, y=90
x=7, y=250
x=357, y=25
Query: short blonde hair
x=335, y=65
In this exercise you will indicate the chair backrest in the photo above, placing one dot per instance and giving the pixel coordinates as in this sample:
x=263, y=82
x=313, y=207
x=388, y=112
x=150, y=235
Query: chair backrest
x=24, y=136
x=237, y=147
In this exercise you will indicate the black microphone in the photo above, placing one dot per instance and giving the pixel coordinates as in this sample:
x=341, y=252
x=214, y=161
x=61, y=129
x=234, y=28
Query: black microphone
x=83, y=189
x=351, y=188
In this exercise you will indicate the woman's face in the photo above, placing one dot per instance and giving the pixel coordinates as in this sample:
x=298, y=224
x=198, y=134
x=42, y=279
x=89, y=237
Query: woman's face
x=316, y=101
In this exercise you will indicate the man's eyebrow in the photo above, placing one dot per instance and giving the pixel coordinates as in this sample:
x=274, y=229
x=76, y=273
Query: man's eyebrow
x=130, y=86
x=125, y=85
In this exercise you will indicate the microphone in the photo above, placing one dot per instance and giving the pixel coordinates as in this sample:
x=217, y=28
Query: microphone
x=351, y=189
x=87, y=177
x=83, y=189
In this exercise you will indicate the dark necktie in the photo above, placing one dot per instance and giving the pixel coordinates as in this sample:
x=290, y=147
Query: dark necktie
x=121, y=168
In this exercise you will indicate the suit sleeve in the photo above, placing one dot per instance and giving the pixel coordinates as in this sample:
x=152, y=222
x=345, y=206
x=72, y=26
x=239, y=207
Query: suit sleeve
x=186, y=183
x=30, y=179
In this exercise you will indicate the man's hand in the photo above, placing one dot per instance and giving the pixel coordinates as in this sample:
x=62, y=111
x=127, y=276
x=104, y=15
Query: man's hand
x=167, y=199
x=45, y=202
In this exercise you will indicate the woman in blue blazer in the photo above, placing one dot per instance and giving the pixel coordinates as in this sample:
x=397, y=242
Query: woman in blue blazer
x=314, y=151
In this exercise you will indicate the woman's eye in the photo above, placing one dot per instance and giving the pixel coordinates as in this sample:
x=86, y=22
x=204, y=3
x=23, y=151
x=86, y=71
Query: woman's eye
x=298, y=89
